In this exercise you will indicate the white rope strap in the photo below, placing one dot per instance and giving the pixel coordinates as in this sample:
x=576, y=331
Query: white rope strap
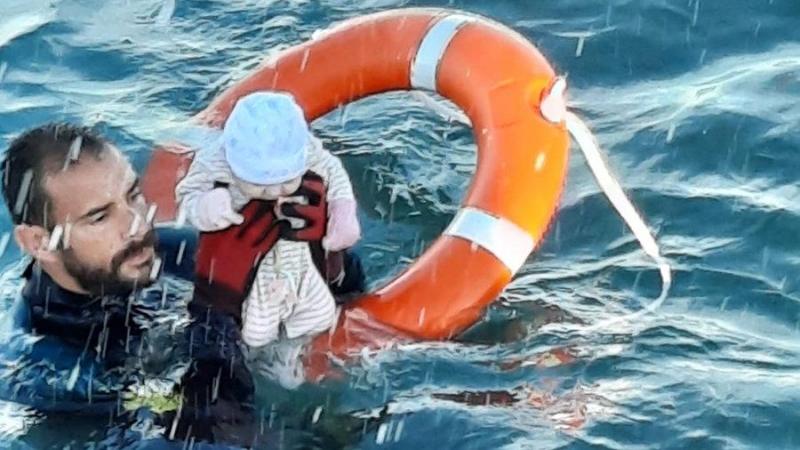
x=611, y=188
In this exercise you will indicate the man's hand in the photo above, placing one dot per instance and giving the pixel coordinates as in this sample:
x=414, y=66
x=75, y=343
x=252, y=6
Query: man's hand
x=314, y=212
x=228, y=260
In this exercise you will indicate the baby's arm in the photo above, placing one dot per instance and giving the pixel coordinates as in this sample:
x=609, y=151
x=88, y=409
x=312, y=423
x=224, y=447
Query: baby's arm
x=343, y=229
x=189, y=190
x=205, y=207
x=330, y=168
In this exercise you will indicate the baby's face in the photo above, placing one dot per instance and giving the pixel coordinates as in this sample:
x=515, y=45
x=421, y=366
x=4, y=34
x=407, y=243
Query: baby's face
x=269, y=191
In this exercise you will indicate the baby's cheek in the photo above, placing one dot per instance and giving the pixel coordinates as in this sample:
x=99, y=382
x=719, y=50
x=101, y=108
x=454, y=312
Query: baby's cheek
x=272, y=192
x=251, y=192
x=292, y=186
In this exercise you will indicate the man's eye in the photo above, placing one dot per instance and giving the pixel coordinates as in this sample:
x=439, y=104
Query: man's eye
x=99, y=217
x=137, y=196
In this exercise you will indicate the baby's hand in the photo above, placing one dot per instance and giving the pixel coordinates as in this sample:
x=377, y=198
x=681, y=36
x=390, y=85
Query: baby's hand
x=215, y=211
x=343, y=228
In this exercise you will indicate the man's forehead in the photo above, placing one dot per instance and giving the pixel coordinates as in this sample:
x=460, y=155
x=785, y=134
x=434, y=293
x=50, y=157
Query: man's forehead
x=89, y=182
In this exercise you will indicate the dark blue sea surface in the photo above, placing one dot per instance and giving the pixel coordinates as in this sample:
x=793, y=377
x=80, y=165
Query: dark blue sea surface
x=696, y=105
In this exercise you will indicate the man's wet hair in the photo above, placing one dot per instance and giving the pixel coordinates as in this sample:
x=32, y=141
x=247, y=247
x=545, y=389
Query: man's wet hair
x=33, y=155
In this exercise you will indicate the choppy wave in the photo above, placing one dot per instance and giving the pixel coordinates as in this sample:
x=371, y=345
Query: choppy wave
x=695, y=104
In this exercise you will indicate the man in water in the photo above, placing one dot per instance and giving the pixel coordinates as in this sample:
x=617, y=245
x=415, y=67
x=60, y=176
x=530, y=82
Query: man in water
x=95, y=330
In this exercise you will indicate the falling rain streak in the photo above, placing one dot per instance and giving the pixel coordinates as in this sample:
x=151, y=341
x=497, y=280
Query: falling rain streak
x=24, y=191
x=4, y=243
x=67, y=234
x=55, y=238
x=135, y=224
x=151, y=213
x=74, y=152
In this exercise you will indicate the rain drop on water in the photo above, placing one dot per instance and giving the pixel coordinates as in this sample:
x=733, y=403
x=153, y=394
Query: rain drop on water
x=4, y=242
x=381, y=435
x=579, y=49
x=317, y=413
x=671, y=132
x=398, y=430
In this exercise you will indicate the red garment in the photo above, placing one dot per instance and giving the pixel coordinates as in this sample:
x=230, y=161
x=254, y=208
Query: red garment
x=227, y=260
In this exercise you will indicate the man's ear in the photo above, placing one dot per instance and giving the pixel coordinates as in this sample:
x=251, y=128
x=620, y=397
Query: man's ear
x=34, y=240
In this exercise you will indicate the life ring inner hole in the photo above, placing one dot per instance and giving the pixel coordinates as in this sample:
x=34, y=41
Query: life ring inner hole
x=410, y=168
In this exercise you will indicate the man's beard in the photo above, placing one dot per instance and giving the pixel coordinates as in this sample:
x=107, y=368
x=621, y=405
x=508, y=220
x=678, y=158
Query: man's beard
x=108, y=281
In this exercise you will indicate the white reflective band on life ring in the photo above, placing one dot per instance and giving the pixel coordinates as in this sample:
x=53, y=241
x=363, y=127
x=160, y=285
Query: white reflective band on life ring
x=502, y=238
x=432, y=48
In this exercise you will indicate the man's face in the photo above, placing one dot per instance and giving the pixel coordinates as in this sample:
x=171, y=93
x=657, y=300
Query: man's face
x=108, y=245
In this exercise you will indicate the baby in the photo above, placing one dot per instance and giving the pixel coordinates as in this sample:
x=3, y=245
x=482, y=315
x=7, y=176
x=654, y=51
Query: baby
x=266, y=148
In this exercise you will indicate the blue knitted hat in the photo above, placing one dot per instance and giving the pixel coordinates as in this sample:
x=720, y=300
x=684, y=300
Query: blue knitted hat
x=265, y=138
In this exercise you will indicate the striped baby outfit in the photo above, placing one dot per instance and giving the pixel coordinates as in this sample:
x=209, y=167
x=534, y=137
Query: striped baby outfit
x=288, y=292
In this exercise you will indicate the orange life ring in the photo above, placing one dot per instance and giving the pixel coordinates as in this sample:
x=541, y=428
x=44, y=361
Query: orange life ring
x=499, y=79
